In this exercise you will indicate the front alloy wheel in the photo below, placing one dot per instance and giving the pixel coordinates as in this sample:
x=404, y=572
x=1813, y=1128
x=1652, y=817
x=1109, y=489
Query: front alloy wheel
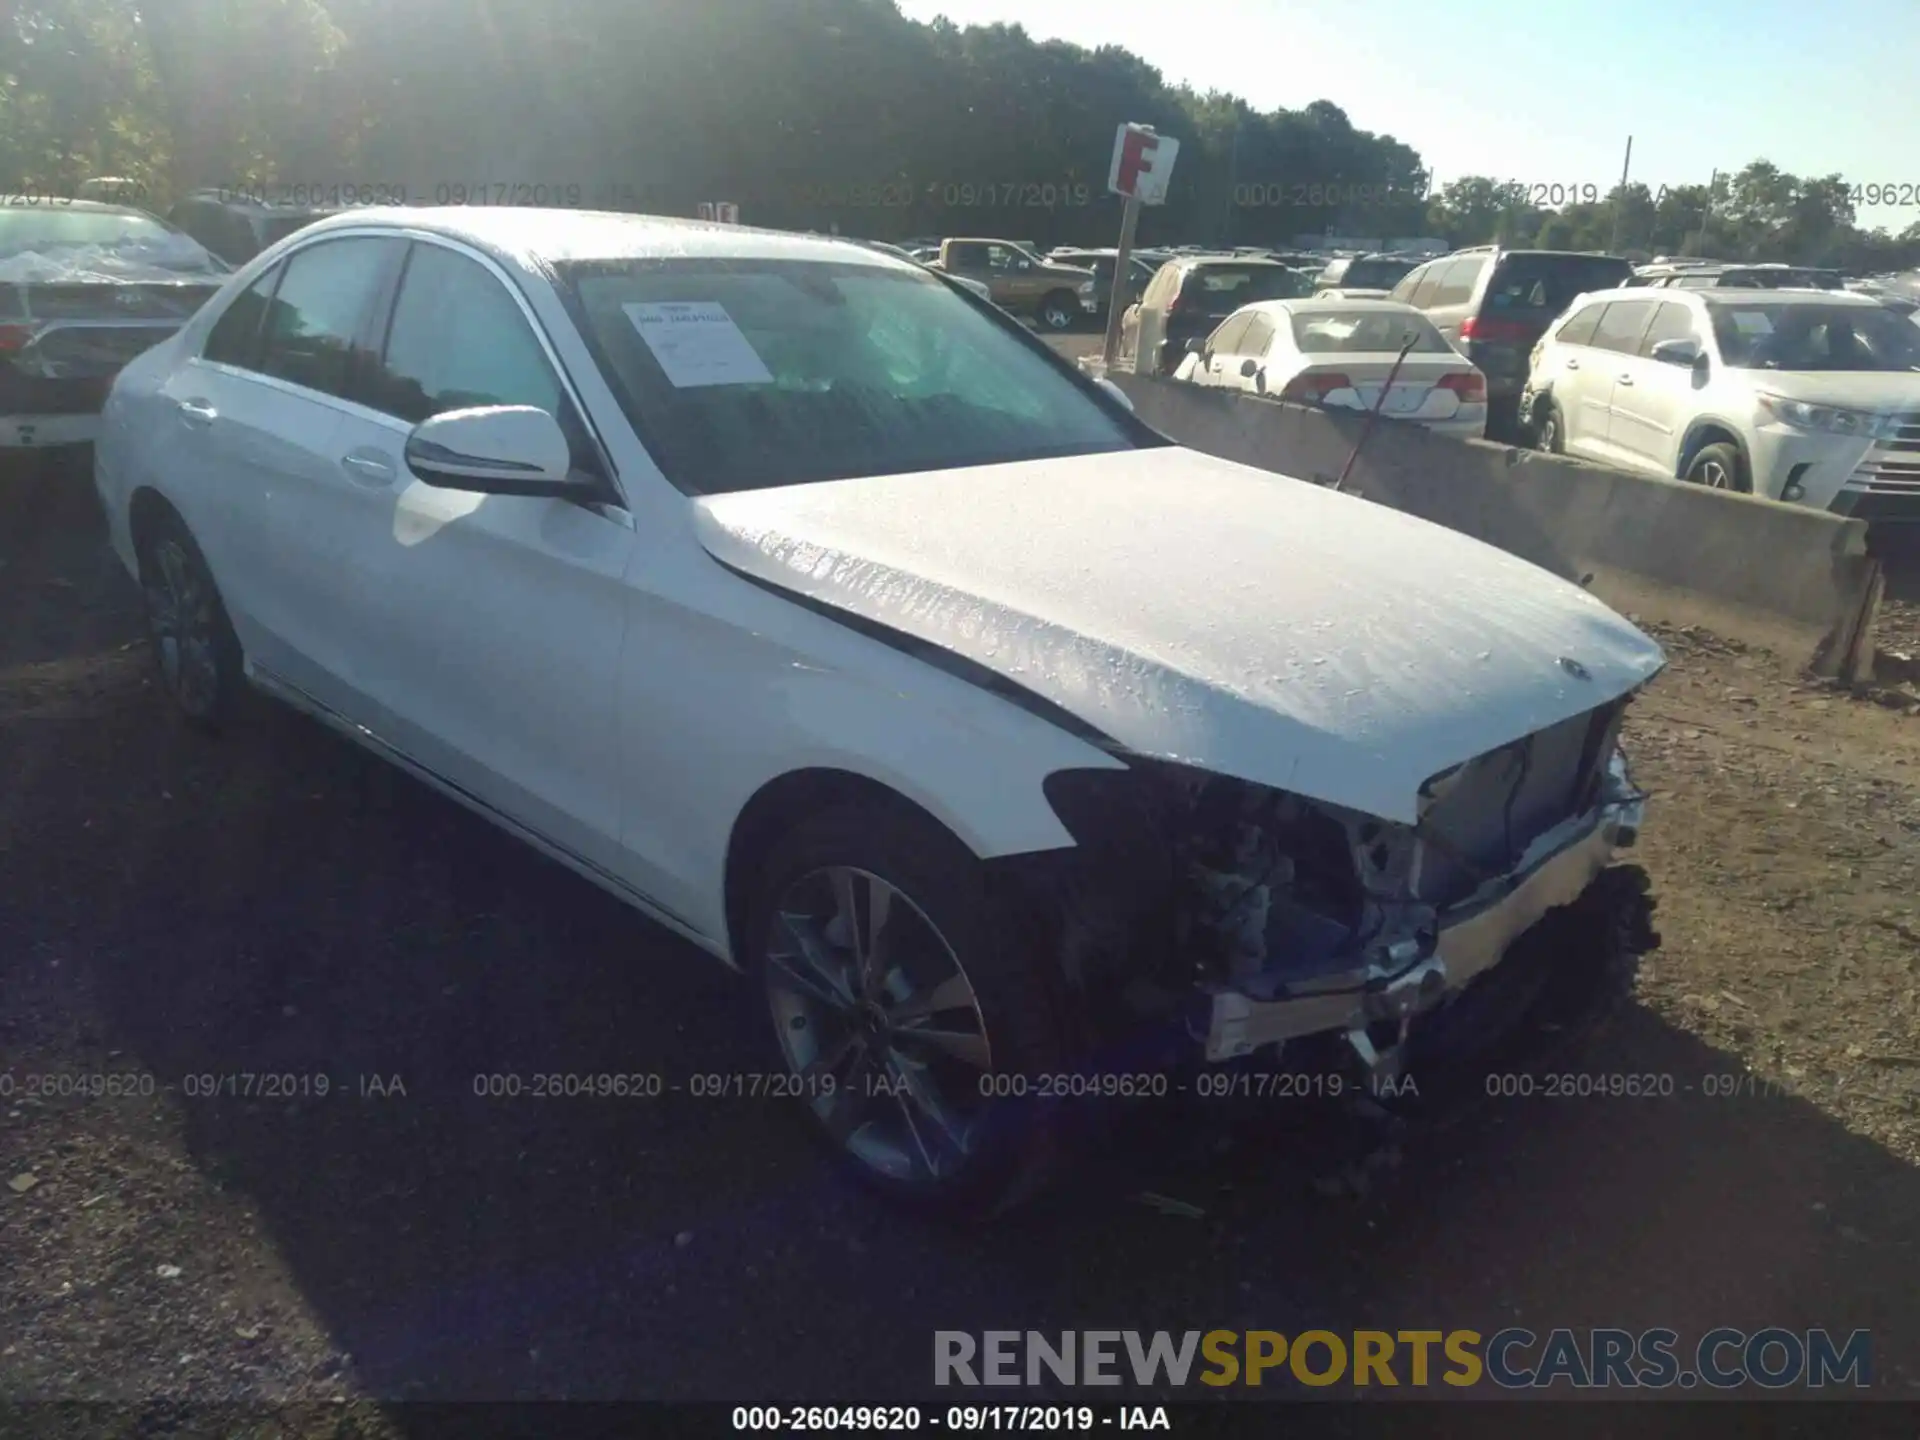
x=911, y=1002
x=880, y=1023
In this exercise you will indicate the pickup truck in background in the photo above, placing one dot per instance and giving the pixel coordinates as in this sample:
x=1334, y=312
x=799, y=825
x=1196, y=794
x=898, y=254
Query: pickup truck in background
x=1057, y=296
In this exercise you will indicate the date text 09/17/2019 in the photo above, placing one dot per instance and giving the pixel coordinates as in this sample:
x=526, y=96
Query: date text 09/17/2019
x=955, y=1419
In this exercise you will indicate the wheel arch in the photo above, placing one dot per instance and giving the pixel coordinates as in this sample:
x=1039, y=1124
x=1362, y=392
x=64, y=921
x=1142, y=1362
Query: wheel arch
x=781, y=803
x=1706, y=431
x=147, y=509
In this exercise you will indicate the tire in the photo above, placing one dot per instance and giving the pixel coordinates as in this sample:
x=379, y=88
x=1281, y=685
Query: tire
x=196, y=654
x=1719, y=467
x=958, y=965
x=1549, y=428
x=1058, y=311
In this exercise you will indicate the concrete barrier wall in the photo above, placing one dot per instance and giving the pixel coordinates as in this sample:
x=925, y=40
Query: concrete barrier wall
x=1795, y=581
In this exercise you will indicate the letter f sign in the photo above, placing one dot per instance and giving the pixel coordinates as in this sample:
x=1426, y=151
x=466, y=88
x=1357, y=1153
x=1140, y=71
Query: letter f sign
x=1142, y=164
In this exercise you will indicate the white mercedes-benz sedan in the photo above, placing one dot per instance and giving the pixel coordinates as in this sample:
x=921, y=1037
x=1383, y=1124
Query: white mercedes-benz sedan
x=818, y=610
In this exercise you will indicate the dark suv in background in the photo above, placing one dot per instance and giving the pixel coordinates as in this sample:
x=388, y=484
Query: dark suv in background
x=237, y=229
x=1364, y=272
x=1493, y=305
x=1101, y=263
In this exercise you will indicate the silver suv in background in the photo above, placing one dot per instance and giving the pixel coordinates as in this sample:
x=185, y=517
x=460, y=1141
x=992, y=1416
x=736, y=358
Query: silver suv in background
x=1805, y=396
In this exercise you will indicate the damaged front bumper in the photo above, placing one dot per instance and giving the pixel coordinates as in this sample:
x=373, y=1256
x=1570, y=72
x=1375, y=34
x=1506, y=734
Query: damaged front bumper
x=1471, y=939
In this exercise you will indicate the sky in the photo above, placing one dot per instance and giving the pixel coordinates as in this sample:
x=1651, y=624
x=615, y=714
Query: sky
x=1549, y=92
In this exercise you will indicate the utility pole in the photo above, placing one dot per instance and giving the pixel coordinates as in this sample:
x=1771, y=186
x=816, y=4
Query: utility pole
x=1706, y=214
x=1620, y=197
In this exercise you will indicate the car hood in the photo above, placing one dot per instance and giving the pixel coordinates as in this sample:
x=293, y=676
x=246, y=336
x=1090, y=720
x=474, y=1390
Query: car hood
x=1878, y=390
x=1204, y=612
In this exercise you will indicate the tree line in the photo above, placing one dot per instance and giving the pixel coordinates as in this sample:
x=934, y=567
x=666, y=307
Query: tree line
x=808, y=114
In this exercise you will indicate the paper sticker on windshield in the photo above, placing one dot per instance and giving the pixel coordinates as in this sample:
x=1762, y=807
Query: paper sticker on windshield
x=1752, y=322
x=697, y=343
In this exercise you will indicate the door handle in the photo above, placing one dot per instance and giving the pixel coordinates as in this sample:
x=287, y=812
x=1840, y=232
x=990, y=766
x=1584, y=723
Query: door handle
x=369, y=470
x=197, y=413
x=1625, y=380
x=1572, y=364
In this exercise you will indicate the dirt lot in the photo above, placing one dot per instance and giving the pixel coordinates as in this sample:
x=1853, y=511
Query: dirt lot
x=173, y=907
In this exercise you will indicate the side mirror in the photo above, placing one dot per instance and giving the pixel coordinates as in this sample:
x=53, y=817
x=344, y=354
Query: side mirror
x=494, y=449
x=1683, y=352
x=1118, y=395
x=1249, y=368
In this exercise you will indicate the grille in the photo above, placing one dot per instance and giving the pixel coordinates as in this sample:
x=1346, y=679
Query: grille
x=1892, y=466
x=1504, y=800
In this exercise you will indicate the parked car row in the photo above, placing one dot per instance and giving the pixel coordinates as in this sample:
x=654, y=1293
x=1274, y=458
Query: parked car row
x=796, y=598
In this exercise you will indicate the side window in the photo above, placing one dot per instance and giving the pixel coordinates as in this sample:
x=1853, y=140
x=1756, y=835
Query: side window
x=1410, y=282
x=1429, y=288
x=1670, y=322
x=458, y=340
x=317, y=312
x=1456, y=285
x=1258, y=337
x=235, y=337
x=1621, y=327
x=1579, y=329
x=1226, y=340
x=967, y=255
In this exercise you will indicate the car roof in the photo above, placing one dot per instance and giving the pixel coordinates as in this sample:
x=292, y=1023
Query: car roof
x=1332, y=307
x=1234, y=262
x=533, y=239
x=1739, y=295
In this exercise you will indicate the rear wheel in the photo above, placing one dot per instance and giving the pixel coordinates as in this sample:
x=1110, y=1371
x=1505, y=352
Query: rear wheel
x=1549, y=428
x=195, y=650
x=1718, y=467
x=1059, y=310
x=907, y=1007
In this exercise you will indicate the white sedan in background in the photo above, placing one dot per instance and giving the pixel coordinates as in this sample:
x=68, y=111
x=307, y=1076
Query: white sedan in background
x=796, y=599
x=1340, y=352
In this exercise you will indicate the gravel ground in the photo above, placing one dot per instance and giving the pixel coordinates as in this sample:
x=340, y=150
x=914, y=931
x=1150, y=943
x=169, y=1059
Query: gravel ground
x=277, y=903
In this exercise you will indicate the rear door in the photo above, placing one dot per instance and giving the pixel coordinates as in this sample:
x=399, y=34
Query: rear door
x=1616, y=351
x=259, y=415
x=505, y=614
x=1652, y=400
x=1580, y=383
x=1217, y=365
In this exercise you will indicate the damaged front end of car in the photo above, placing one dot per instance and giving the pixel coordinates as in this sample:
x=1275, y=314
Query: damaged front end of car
x=1260, y=919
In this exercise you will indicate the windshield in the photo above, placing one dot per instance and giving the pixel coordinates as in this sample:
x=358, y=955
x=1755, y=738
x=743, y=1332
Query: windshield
x=1222, y=289
x=1550, y=283
x=41, y=230
x=1780, y=336
x=744, y=374
x=1355, y=332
